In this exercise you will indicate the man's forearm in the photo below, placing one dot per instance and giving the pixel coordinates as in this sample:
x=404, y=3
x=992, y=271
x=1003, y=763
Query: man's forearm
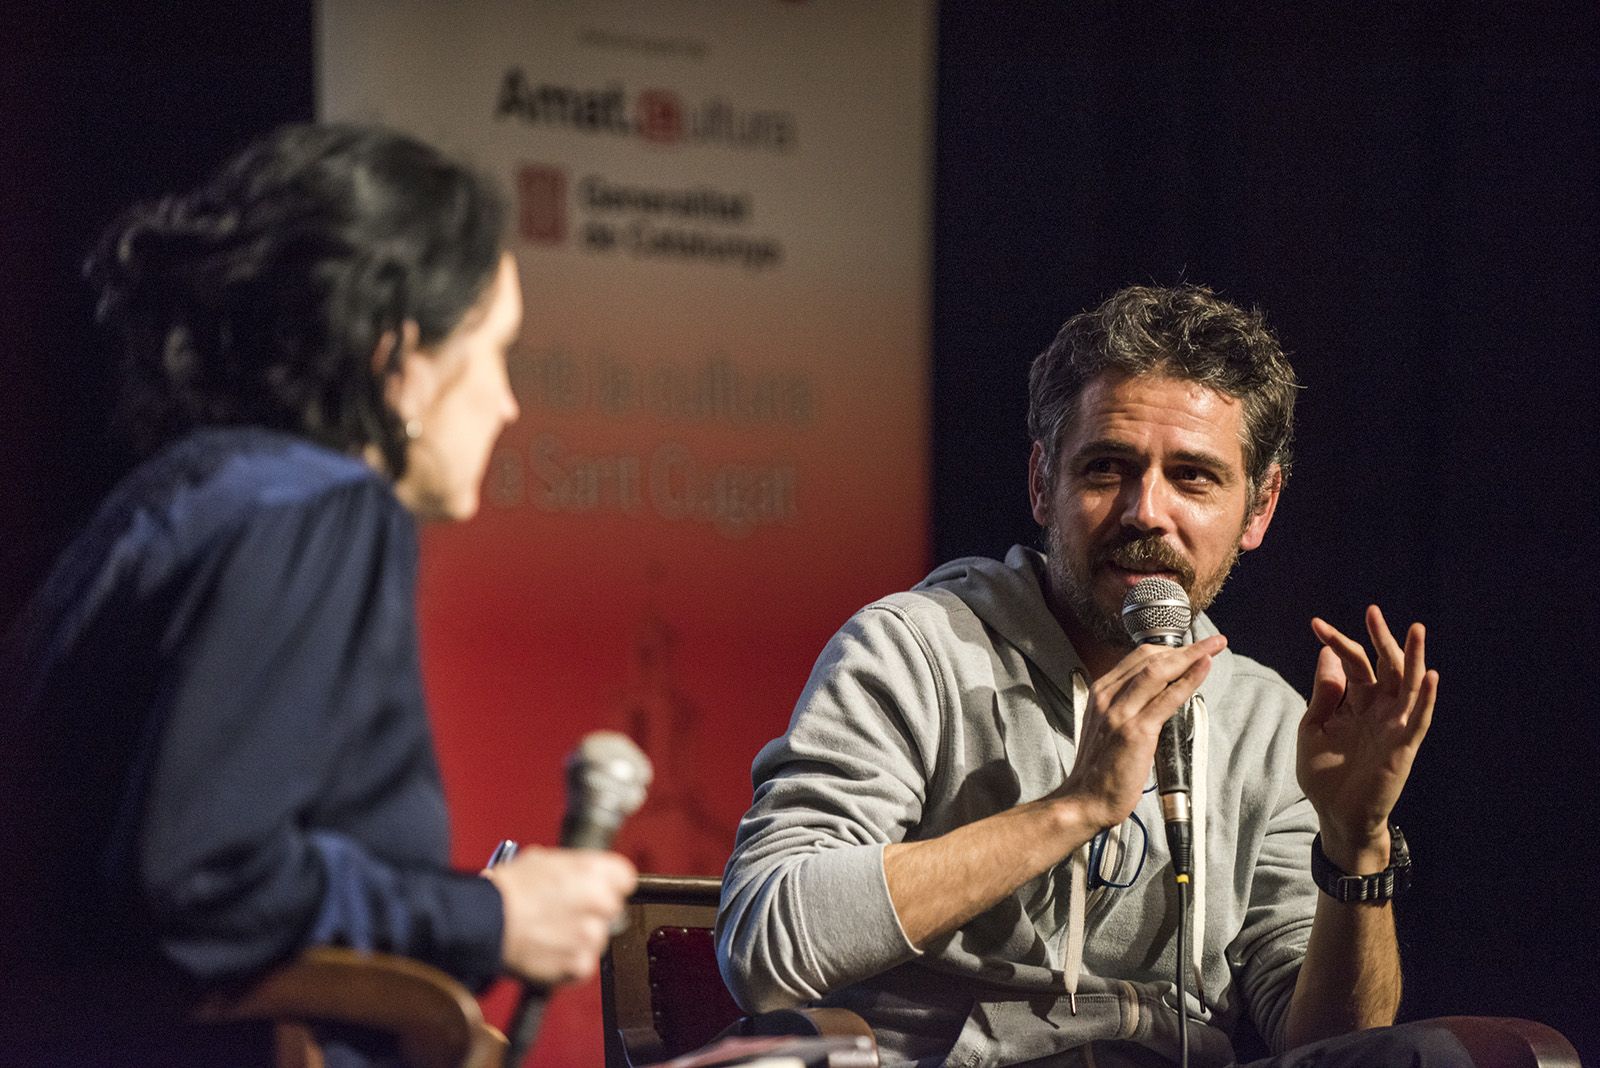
x=1350, y=979
x=939, y=884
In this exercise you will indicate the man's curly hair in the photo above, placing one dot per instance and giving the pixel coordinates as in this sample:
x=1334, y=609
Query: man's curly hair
x=1184, y=331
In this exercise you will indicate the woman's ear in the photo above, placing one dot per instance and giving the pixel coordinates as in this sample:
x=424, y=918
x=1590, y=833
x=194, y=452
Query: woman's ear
x=407, y=376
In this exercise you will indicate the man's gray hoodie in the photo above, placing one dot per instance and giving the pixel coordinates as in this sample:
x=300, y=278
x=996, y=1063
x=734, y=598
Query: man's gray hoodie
x=959, y=699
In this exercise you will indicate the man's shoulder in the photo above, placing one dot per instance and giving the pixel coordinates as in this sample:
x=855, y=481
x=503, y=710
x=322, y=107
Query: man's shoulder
x=1255, y=697
x=920, y=606
x=937, y=619
x=922, y=624
x=1259, y=678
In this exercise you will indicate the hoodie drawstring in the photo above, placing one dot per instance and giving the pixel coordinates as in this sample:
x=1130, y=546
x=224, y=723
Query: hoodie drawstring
x=1078, y=866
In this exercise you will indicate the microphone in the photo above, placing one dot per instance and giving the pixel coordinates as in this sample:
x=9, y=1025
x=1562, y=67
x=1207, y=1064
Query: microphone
x=607, y=776
x=1156, y=612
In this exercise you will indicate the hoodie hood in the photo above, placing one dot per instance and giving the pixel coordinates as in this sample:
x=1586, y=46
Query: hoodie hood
x=1008, y=596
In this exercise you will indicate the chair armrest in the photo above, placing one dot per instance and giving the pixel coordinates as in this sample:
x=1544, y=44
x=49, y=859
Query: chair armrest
x=436, y=1020
x=1509, y=1042
x=824, y=1023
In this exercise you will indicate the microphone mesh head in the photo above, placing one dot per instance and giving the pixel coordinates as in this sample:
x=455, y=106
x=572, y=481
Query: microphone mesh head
x=608, y=773
x=1156, y=609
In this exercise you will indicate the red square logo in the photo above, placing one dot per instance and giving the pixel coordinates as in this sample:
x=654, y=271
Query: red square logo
x=660, y=116
x=542, y=204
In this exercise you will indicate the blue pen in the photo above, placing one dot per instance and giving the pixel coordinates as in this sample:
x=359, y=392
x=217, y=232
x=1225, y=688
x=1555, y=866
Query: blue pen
x=502, y=853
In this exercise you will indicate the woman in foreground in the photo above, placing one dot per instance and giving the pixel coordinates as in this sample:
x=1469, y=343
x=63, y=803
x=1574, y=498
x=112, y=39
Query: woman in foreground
x=214, y=749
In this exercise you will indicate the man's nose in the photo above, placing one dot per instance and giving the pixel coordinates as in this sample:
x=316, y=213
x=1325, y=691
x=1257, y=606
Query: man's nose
x=1144, y=507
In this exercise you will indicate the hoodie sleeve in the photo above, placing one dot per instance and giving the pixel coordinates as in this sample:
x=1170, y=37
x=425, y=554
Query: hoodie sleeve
x=1267, y=952
x=805, y=906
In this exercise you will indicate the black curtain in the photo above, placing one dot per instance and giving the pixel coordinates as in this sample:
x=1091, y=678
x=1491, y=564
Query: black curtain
x=1410, y=193
x=102, y=105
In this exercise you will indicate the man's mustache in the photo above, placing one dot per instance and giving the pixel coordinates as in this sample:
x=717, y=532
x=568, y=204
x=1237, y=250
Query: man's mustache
x=1150, y=553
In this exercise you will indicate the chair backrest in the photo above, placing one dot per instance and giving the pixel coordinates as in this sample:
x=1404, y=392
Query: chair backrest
x=435, y=1020
x=661, y=993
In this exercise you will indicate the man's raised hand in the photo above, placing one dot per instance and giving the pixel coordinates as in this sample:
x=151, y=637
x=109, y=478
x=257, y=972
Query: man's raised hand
x=1360, y=735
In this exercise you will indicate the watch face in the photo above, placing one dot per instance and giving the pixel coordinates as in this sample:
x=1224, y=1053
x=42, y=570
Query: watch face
x=1399, y=851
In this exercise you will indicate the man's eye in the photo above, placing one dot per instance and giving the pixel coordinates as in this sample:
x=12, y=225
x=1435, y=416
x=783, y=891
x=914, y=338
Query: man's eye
x=1194, y=475
x=1101, y=466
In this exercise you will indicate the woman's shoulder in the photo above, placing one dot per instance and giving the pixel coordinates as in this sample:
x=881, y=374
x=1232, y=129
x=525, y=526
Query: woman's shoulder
x=218, y=485
x=251, y=467
x=273, y=504
x=218, y=478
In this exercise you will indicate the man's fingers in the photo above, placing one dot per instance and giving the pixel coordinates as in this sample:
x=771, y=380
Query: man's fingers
x=1422, y=713
x=1391, y=659
x=1327, y=688
x=1165, y=669
x=1162, y=704
x=1114, y=680
x=1415, y=657
x=1357, y=667
x=1168, y=701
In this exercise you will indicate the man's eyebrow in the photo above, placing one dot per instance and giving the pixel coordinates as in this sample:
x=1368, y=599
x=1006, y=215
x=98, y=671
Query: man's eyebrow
x=1224, y=471
x=1105, y=447
x=1200, y=458
x=1209, y=460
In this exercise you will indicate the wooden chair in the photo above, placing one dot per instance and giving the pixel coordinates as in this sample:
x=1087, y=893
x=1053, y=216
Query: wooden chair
x=1490, y=1042
x=436, y=1021
x=661, y=993
x=1509, y=1042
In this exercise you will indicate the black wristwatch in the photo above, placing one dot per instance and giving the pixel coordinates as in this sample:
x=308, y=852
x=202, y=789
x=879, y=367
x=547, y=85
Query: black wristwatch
x=1385, y=885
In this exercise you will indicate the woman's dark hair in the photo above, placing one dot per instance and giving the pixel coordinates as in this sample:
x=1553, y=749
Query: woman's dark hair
x=261, y=296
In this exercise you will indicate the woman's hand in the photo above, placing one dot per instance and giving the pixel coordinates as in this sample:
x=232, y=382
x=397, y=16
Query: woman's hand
x=559, y=905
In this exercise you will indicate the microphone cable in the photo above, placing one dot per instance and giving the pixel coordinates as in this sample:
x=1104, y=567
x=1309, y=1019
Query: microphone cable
x=1182, y=880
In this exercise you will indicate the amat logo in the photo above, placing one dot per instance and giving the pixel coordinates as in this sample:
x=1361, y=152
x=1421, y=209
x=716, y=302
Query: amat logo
x=657, y=116
x=542, y=204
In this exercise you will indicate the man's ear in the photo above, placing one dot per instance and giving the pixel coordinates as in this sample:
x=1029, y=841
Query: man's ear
x=1262, y=509
x=407, y=375
x=1038, y=491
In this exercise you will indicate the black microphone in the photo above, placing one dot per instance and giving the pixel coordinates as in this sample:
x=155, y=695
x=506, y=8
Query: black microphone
x=607, y=776
x=1156, y=612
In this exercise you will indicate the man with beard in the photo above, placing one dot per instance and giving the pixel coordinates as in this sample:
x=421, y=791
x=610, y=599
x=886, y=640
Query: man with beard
x=958, y=837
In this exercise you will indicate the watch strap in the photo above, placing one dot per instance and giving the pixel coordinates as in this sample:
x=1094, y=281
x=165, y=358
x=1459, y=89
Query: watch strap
x=1378, y=887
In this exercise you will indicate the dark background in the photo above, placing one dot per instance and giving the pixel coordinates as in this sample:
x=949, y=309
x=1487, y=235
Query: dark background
x=1410, y=192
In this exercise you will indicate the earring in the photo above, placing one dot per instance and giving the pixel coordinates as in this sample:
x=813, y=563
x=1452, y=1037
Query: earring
x=413, y=429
